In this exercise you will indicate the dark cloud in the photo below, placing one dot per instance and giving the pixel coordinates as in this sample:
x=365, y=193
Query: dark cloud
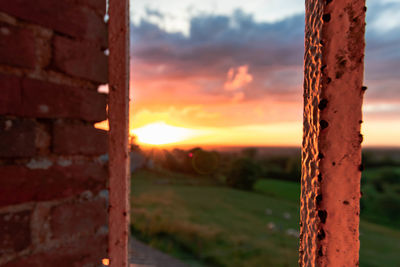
x=273, y=52
x=382, y=56
x=217, y=43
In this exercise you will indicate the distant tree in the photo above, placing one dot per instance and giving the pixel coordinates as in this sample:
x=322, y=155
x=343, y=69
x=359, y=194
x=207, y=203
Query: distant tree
x=389, y=205
x=389, y=177
x=385, y=179
x=293, y=168
x=250, y=152
x=170, y=162
x=243, y=174
x=133, y=146
x=203, y=162
x=281, y=167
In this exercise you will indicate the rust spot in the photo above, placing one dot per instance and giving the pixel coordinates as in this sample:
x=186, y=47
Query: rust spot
x=365, y=9
x=364, y=88
x=328, y=80
x=326, y=17
x=321, y=234
x=342, y=63
x=323, y=67
x=318, y=199
x=361, y=167
x=320, y=155
x=319, y=177
x=333, y=163
x=324, y=124
x=322, y=214
x=346, y=202
x=328, y=1
x=320, y=252
x=124, y=213
x=360, y=121
x=339, y=74
x=322, y=104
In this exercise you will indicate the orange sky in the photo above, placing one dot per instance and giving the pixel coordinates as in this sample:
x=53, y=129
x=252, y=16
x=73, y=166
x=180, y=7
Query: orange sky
x=235, y=77
x=195, y=125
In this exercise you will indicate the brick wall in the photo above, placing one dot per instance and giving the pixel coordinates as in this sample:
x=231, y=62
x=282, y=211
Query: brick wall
x=53, y=177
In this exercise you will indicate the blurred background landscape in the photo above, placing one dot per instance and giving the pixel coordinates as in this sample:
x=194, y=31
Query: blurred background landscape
x=240, y=206
x=216, y=127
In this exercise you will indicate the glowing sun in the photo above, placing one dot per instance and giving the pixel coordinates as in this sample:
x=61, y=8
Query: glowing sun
x=160, y=133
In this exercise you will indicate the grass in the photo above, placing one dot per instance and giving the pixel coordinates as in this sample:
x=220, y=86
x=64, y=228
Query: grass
x=373, y=210
x=280, y=189
x=208, y=225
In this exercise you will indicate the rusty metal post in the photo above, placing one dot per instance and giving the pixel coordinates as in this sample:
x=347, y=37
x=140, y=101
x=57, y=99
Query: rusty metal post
x=331, y=154
x=118, y=115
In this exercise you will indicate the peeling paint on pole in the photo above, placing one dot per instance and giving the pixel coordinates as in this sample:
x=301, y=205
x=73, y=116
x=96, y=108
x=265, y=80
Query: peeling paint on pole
x=331, y=155
x=118, y=115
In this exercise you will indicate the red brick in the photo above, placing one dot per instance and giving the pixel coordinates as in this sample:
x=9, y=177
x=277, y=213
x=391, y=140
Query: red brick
x=80, y=59
x=17, y=138
x=14, y=232
x=10, y=96
x=19, y=184
x=75, y=218
x=17, y=46
x=40, y=99
x=83, y=252
x=62, y=16
x=98, y=5
x=49, y=100
x=71, y=139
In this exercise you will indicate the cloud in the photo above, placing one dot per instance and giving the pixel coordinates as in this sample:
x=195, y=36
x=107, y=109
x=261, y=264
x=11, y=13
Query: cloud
x=238, y=78
x=210, y=65
x=217, y=45
x=383, y=40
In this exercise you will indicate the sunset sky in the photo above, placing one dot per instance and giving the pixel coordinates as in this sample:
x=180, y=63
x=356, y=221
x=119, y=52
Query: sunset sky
x=231, y=72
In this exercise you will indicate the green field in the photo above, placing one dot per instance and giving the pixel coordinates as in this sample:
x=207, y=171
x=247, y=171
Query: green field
x=208, y=225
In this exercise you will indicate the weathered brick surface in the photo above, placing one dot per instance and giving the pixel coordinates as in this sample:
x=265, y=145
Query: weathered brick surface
x=80, y=59
x=17, y=138
x=19, y=184
x=83, y=252
x=15, y=234
x=40, y=99
x=76, y=218
x=71, y=139
x=98, y=5
x=10, y=96
x=52, y=52
x=62, y=16
x=334, y=52
x=49, y=100
x=17, y=46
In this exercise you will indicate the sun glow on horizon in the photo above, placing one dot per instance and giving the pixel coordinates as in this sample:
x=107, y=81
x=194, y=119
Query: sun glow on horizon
x=160, y=133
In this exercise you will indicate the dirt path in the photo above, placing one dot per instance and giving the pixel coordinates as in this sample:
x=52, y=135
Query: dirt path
x=141, y=255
